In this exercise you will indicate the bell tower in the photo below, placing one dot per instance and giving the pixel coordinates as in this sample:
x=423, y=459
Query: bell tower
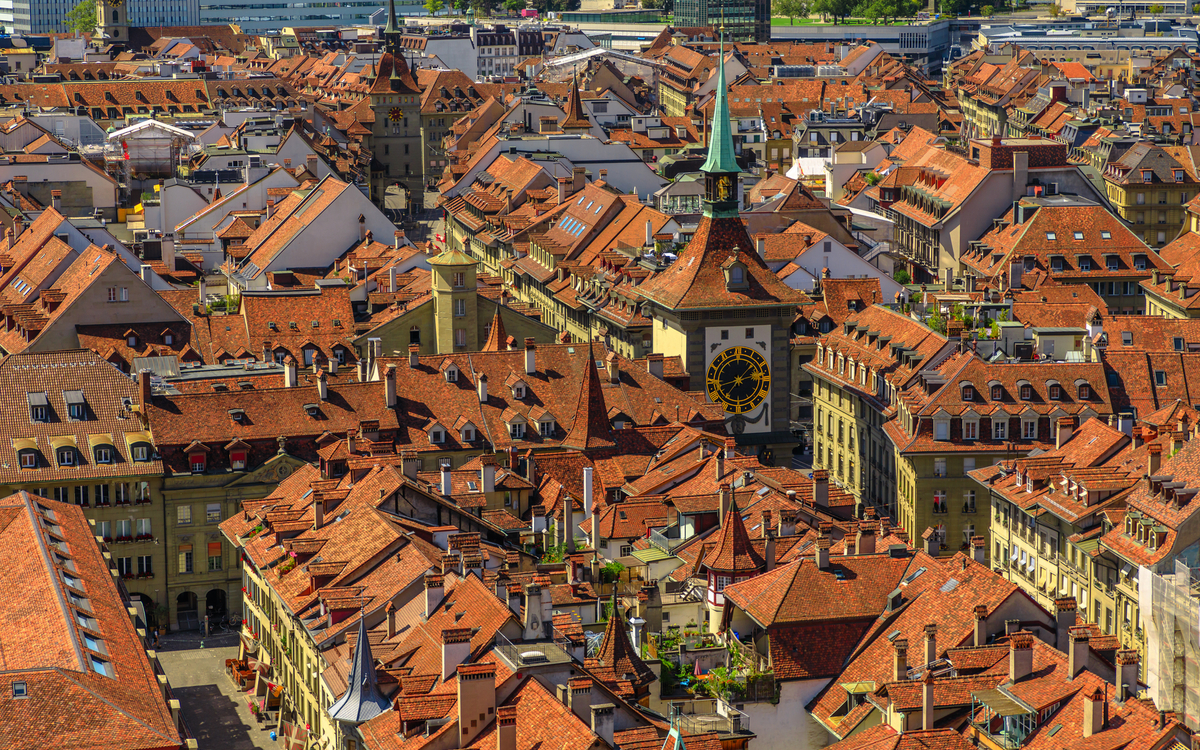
x=112, y=21
x=723, y=311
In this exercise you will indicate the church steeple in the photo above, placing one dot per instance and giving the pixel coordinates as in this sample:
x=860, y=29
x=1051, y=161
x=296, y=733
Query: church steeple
x=391, y=32
x=720, y=168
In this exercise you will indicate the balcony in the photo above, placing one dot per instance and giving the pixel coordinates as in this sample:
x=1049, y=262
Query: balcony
x=1000, y=719
x=666, y=539
x=726, y=721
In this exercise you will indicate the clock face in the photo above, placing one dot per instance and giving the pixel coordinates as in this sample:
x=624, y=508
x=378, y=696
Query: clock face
x=114, y=3
x=739, y=378
x=395, y=114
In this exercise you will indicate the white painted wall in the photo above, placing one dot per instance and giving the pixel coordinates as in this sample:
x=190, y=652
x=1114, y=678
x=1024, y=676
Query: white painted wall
x=787, y=725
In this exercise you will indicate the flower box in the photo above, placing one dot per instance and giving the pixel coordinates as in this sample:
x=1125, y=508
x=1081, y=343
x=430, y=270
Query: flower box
x=124, y=539
x=143, y=537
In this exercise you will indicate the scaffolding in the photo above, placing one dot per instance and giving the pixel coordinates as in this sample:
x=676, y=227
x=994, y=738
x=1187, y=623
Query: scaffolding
x=1173, y=642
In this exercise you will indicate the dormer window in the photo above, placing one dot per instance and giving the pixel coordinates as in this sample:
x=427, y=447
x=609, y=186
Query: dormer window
x=104, y=455
x=76, y=405
x=237, y=459
x=131, y=340
x=997, y=392
x=141, y=452
x=468, y=434
x=970, y=429
x=1054, y=391
x=1026, y=391
x=735, y=274
x=65, y=456
x=29, y=459
x=168, y=338
x=1111, y=262
x=968, y=393
x=546, y=428
x=198, y=462
x=1178, y=173
x=39, y=407
x=1085, y=392
x=451, y=374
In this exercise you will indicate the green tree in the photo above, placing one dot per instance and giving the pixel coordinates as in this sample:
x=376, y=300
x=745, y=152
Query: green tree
x=483, y=7
x=434, y=6
x=514, y=6
x=82, y=18
x=935, y=320
x=651, y=4
x=901, y=277
x=987, y=10
x=1196, y=9
x=1055, y=10
x=837, y=10
x=1155, y=9
x=788, y=8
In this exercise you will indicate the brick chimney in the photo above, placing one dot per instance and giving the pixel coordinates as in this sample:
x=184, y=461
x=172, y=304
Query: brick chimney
x=1093, y=713
x=1020, y=656
x=389, y=386
x=1064, y=618
x=506, y=731
x=476, y=691
x=980, y=625
x=821, y=488
x=1078, y=654
x=434, y=588
x=899, y=659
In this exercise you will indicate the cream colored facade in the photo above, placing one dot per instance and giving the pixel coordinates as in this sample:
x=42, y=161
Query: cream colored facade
x=849, y=442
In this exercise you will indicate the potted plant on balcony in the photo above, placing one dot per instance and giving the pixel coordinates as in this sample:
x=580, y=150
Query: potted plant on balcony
x=161, y=613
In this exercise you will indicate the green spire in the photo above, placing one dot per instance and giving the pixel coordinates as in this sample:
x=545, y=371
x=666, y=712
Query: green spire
x=392, y=27
x=720, y=144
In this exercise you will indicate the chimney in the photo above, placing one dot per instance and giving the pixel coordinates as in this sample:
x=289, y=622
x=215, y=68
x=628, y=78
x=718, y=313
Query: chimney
x=1155, y=461
x=547, y=612
x=476, y=687
x=821, y=488
x=587, y=492
x=978, y=550
x=56, y=200
x=930, y=643
x=446, y=486
x=1011, y=626
x=434, y=588
x=19, y=227
x=310, y=162
x=318, y=511
x=568, y=530
x=1127, y=674
x=579, y=697
x=718, y=468
x=289, y=372
x=533, y=612
x=787, y=522
x=769, y=551
x=322, y=386
x=506, y=728
x=654, y=365
x=1177, y=438
x=204, y=293
x=362, y=227
x=1064, y=618
x=1093, y=713
x=391, y=620
x=411, y=463
x=530, y=364
x=899, y=659
x=980, y=625
x=414, y=351
x=481, y=386
x=823, y=552
x=614, y=370
x=603, y=723
x=1066, y=428
x=1077, y=656
x=392, y=276
x=724, y=496
x=1020, y=656
x=927, y=701
x=562, y=189
x=649, y=233
x=389, y=386
x=933, y=544
x=144, y=387
x=864, y=542
x=487, y=472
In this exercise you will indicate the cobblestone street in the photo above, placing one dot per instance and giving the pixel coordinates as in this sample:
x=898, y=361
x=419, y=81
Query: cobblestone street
x=215, y=712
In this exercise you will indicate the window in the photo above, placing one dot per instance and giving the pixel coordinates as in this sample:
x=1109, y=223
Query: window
x=1085, y=392
x=414, y=336
x=999, y=429
x=1029, y=430
x=460, y=308
x=198, y=462
x=237, y=459
x=1178, y=342
x=103, y=495
x=125, y=566
x=1078, y=235
x=66, y=456
x=280, y=356
x=516, y=430
x=460, y=336
x=145, y=565
x=28, y=460
x=939, y=501
x=1026, y=392
x=1051, y=236
x=1105, y=234
x=1141, y=199
x=214, y=556
x=970, y=429
x=183, y=515
x=142, y=528
x=1111, y=263
x=1085, y=263
x=546, y=429
x=100, y=666
x=722, y=582
x=185, y=558
x=437, y=436
x=103, y=455
x=460, y=280
x=997, y=392
x=104, y=530
x=141, y=453
x=941, y=430
x=939, y=467
x=212, y=513
x=1055, y=392
x=309, y=354
x=968, y=393
x=81, y=495
x=20, y=690
x=1160, y=377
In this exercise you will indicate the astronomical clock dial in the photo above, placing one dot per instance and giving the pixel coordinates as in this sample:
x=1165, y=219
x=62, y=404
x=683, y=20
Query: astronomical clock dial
x=739, y=378
x=395, y=114
x=115, y=3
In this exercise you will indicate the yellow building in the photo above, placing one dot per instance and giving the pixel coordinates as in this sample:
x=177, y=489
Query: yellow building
x=1150, y=189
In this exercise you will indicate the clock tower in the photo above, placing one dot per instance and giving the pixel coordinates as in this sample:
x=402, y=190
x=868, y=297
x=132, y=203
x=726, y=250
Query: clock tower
x=112, y=21
x=721, y=309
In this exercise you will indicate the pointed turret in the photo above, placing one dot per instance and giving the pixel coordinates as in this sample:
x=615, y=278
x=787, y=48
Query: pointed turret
x=362, y=700
x=576, y=119
x=591, y=428
x=618, y=656
x=720, y=168
x=734, y=552
x=497, y=336
x=392, y=30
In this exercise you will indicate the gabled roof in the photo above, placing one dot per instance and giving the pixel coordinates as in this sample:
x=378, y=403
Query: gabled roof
x=734, y=553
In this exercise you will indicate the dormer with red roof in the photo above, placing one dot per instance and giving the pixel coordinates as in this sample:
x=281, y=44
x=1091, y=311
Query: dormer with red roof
x=733, y=559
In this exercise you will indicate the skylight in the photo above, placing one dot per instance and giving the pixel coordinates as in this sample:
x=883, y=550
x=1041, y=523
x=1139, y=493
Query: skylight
x=912, y=576
x=1050, y=236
